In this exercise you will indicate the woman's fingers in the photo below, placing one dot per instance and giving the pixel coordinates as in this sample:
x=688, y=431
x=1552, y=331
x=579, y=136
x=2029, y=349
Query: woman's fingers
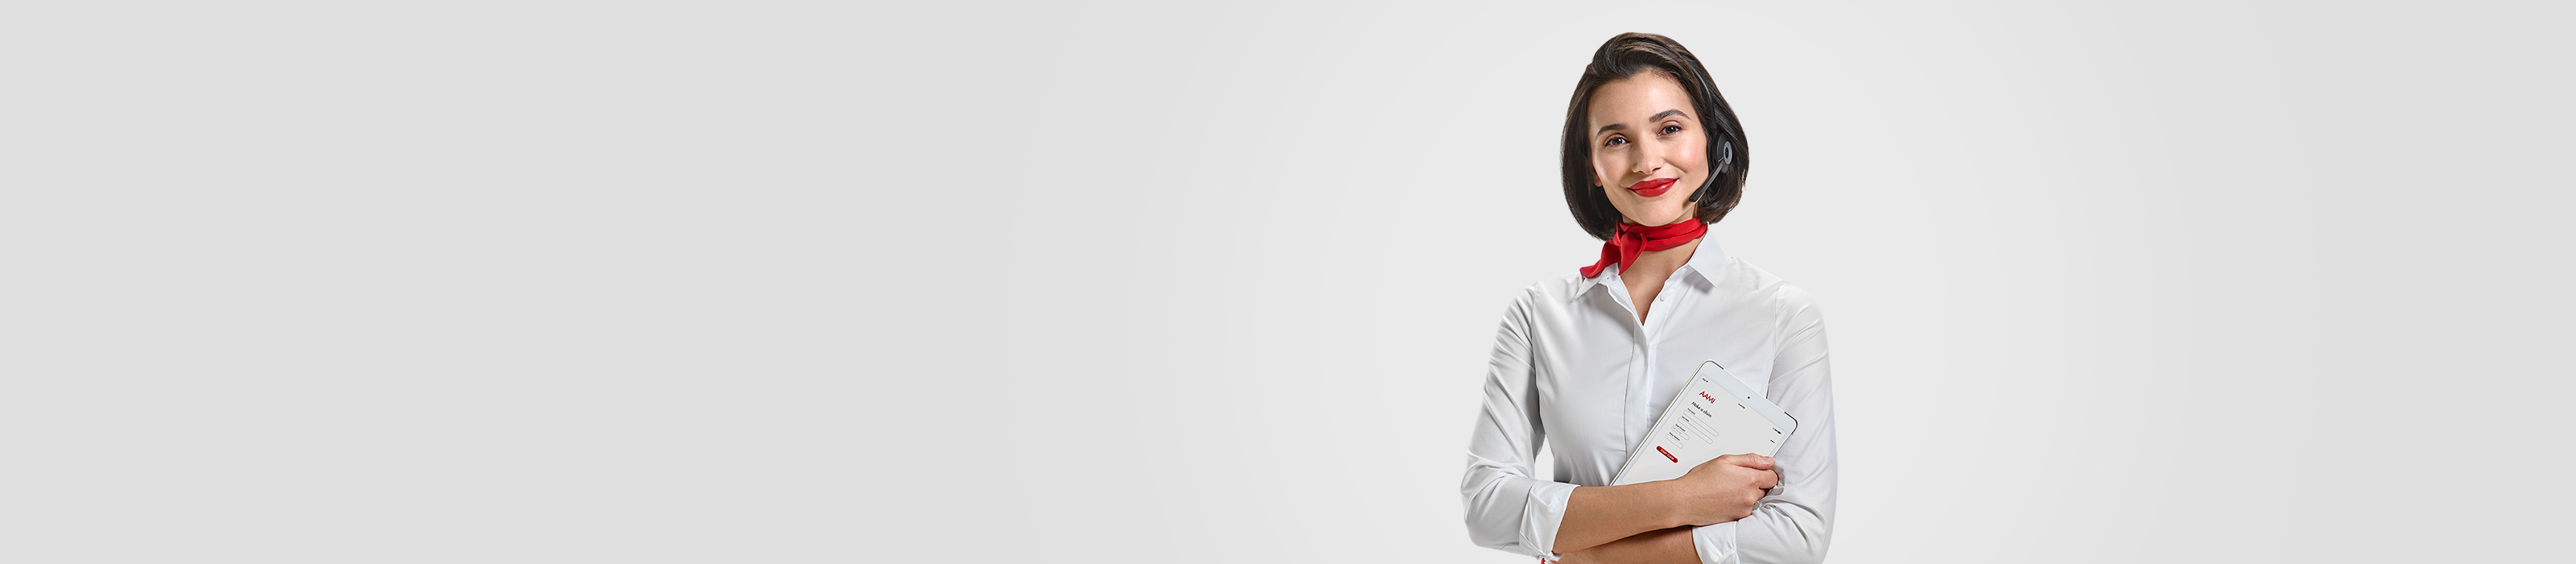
x=1753, y=461
x=1728, y=487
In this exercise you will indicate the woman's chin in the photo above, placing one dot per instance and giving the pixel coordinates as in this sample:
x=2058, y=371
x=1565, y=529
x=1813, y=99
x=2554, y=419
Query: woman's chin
x=1651, y=216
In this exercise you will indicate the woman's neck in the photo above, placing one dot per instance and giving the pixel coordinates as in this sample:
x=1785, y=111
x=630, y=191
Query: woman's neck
x=1658, y=265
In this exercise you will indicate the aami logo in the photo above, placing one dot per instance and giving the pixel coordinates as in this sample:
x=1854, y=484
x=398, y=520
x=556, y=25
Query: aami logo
x=1704, y=395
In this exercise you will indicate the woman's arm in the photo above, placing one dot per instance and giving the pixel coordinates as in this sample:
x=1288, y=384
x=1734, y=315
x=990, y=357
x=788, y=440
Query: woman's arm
x=1508, y=508
x=1795, y=524
x=1666, y=546
x=1599, y=515
x=1717, y=491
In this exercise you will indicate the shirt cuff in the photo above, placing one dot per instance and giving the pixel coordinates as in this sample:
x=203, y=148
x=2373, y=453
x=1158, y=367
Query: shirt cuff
x=1541, y=517
x=1716, y=543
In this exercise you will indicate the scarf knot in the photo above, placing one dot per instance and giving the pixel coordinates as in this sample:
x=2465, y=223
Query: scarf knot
x=1632, y=239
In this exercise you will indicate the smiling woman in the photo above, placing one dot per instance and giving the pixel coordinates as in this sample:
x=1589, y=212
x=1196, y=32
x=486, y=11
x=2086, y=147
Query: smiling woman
x=1586, y=361
x=1684, y=115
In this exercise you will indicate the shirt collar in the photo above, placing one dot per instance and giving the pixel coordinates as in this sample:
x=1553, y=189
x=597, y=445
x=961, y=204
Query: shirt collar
x=1708, y=262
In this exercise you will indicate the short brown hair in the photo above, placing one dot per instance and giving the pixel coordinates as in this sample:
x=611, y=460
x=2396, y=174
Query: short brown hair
x=1628, y=55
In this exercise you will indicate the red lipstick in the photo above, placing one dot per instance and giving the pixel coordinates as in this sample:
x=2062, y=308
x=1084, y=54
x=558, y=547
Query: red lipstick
x=1653, y=187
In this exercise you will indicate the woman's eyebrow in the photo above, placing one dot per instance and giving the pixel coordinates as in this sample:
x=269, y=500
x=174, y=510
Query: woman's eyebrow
x=1658, y=116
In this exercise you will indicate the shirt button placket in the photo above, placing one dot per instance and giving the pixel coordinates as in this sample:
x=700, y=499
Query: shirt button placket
x=1644, y=387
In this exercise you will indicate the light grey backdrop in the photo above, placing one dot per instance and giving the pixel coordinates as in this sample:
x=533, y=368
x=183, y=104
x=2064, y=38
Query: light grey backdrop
x=805, y=282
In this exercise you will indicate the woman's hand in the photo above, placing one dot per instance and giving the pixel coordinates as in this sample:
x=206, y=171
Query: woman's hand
x=1725, y=489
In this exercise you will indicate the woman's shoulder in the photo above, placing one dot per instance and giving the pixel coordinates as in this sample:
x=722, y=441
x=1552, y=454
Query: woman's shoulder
x=1752, y=283
x=1556, y=289
x=1547, y=297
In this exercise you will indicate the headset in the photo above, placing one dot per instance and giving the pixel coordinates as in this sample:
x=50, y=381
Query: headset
x=1725, y=159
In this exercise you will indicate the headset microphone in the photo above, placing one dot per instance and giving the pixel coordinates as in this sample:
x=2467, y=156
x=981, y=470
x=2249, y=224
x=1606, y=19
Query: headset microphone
x=1725, y=158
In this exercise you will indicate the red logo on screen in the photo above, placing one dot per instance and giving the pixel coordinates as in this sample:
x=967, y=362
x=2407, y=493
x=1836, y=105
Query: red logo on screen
x=1710, y=399
x=1667, y=454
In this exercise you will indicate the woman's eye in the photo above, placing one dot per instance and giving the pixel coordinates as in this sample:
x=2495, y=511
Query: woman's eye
x=1670, y=129
x=1614, y=142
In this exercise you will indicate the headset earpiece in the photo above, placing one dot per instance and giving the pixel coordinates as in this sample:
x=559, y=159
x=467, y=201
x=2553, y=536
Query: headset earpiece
x=1725, y=160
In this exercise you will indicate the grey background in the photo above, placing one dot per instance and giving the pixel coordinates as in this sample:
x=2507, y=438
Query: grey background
x=796, y=282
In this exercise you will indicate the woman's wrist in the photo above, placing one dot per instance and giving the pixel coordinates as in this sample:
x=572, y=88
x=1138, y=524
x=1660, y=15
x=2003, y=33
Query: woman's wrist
x=1661, y=502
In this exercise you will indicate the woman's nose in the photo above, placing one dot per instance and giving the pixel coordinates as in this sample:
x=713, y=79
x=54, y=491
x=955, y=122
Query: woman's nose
x=1648, y=162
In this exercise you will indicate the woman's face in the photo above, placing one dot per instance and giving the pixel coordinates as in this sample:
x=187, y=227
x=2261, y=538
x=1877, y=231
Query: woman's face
x=1648, y=151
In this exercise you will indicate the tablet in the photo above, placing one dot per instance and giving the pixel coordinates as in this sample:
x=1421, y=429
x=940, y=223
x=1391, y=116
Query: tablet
x=1714, y=415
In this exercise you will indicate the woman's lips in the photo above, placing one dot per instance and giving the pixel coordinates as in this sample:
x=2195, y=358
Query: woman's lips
x=1653, y=187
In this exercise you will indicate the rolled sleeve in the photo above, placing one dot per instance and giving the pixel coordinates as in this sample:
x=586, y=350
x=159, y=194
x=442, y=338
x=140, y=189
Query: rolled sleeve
x=1716, y=543
x=1516, y=514
x=1546, y=511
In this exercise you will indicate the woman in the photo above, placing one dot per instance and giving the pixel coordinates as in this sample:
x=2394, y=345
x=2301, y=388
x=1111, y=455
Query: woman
x=1586, y=362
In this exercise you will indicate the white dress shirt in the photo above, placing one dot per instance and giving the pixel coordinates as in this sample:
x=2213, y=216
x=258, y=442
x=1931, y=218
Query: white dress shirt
x=1573, y=368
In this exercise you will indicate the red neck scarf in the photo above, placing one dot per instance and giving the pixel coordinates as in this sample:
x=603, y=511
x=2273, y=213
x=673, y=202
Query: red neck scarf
x=1632, y=239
